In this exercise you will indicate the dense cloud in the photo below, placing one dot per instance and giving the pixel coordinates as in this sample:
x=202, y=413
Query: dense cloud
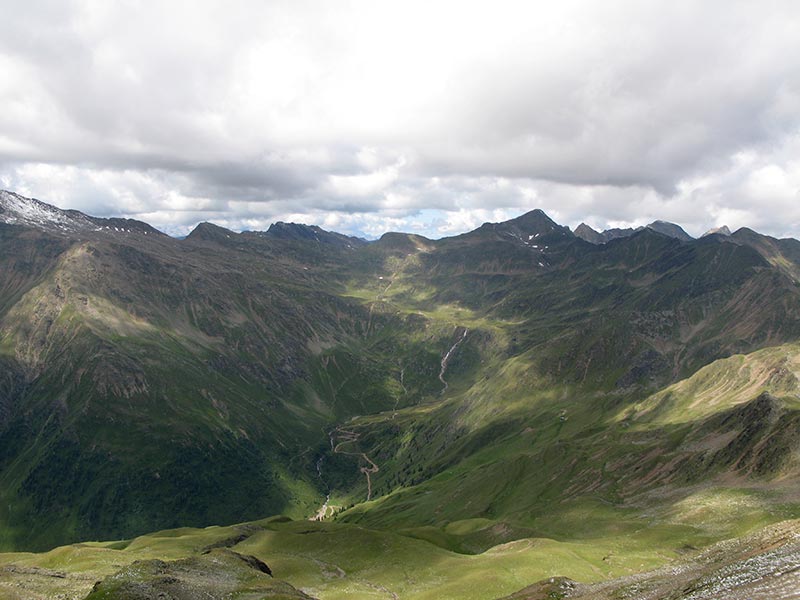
x=432, y=116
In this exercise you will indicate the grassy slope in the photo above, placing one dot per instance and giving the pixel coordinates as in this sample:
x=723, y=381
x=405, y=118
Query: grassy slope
x=335, y=561
x=508, y=454
x=164, y=393
x=191, y=392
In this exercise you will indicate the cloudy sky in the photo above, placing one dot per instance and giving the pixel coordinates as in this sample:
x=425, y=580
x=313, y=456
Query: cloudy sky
x=430, y=116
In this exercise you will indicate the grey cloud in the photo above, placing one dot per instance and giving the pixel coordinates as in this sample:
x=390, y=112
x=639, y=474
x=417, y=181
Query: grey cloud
x=247, y=110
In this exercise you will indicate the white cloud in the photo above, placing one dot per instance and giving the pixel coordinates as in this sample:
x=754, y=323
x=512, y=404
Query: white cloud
x=364, y=184
x=368, y=115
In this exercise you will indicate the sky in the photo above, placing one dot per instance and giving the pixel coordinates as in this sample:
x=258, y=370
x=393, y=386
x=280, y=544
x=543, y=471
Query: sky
x=424, y=116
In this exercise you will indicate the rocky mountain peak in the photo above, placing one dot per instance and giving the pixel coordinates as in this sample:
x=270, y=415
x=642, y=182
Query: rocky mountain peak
x=210, y=232
x=670, y=229
x=312, y=233
x=724, y=230
x=588, y=234
x=19, y=210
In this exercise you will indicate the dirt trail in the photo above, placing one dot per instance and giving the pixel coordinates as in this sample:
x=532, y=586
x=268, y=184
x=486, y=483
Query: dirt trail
x=339, y=436
x=446, y=359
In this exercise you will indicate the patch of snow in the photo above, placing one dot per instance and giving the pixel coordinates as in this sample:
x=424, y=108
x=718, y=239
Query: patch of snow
x=19, y=210
x=28, y=211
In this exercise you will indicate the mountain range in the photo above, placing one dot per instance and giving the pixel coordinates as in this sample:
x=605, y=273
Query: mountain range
x=585, y=232
x=461, y=417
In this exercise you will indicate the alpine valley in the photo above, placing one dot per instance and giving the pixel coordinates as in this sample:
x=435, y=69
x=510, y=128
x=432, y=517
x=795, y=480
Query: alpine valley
x=516, y=412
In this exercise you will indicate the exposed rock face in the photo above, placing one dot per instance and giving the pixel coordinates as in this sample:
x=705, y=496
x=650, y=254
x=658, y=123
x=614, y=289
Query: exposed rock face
x=588, y=234
x=761, y=565
x=670, y=229
x=718, y=231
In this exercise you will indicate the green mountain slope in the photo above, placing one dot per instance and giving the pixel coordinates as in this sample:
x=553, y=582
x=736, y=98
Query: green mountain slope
x=137, y=372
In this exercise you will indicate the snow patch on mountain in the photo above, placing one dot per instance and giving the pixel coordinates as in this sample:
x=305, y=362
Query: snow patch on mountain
x=19, y=210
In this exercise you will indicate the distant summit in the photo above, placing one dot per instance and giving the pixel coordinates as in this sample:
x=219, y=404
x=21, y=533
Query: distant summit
x=670, y=229
x=294, y=232
x=19, y=210
x=311, y=233
x=535, y=221
x=724, y=230
x=210, y=233
x=403, y=242
x=531, y=229
x=586, y=233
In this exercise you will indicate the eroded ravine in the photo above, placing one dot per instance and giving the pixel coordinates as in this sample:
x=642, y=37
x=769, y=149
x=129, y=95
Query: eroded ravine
x=446, y=359
x=326, y=507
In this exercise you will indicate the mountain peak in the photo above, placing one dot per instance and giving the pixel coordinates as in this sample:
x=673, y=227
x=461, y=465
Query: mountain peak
x=588, y=234
x=537, y=220
x=593, y=236
x=295, y=231
x=210, y=232
x=670, y=229
x=404, y=242
x=314, y=233
x=724, y=230
x=532, y=224
x=19, y=210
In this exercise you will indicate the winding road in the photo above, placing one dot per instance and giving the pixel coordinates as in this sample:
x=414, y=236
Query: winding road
x=350, y=437
x=338, y=438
